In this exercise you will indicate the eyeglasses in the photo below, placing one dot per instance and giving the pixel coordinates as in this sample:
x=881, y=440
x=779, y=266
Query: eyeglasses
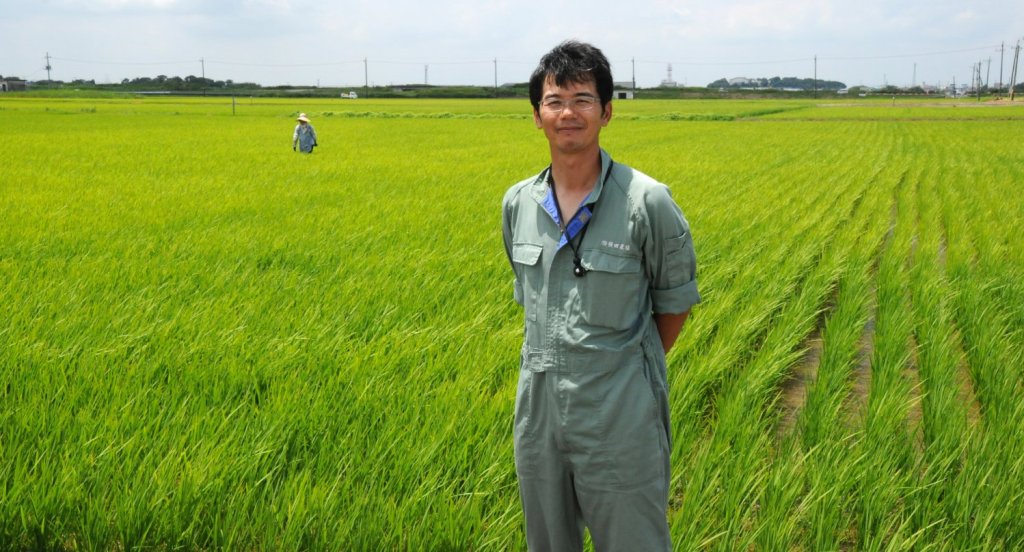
x=579, y=103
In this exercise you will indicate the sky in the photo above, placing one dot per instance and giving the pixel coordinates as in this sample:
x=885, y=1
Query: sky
x=350, y=43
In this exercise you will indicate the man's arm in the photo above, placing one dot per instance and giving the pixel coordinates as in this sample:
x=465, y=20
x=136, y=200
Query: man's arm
x=670, y=264
x=669, y=326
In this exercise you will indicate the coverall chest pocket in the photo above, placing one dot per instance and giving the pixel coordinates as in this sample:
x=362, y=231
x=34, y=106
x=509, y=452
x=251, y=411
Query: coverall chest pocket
x=526, y=257
x=610, y=291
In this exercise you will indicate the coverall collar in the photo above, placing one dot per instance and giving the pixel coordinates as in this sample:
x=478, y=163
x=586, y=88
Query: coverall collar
x=540, y=188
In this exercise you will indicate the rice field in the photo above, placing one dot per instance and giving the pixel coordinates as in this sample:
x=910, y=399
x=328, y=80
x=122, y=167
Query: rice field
x=208, y=341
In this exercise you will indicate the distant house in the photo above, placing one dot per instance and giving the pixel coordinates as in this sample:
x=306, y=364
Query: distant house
x=623, y=90
x=742, y=81
x=12, y=85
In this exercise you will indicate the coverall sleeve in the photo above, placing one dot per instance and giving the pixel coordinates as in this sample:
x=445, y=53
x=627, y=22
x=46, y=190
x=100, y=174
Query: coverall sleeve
x=670, y=261
x=507, y=216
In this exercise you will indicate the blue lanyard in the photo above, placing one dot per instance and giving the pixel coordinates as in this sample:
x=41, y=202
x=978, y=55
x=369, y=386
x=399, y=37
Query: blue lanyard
x=577, y=225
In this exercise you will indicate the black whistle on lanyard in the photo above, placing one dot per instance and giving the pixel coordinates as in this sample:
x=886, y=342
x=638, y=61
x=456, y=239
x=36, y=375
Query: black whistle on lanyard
x=578, y=270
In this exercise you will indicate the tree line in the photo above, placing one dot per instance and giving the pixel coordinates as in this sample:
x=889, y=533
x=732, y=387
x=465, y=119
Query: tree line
x=780, y=82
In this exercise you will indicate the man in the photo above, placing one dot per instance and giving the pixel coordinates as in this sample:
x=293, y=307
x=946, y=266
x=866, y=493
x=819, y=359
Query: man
x=304, y=136
x=605, y=270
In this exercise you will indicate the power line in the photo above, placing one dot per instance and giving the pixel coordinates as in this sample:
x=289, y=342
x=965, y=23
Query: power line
x=387, y=62
x=663, y=62
x=812, y=58
x=632, y=61
x=898, y=56
x=491, y=61
x=94, y=62
x=286, y=65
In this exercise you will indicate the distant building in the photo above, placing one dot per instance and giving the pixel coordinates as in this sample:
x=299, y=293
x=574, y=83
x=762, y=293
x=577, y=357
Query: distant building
x=742, y=81
x=623, y=90
x=13, y=85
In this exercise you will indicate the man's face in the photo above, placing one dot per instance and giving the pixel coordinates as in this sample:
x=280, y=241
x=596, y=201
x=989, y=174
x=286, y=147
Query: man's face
x=571, y=116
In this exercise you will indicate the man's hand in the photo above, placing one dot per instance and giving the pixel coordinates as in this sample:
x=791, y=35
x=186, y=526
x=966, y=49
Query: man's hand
x=669, y=326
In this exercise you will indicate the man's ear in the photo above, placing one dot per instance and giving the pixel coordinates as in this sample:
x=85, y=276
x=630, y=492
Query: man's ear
x=536, y=118
x=606, y=113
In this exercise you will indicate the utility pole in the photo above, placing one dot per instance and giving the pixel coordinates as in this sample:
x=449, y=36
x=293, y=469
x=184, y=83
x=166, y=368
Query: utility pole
x=1002, y=46
x=815, y=75
x=425, y=67
x=495, y=77
x=1013, y=72
x=913, y=80
x=48, y=79
x=366, y=79
x=988, y=72
x=977, y=80
x=202, y=62
x=633, y=61
x=974, y=76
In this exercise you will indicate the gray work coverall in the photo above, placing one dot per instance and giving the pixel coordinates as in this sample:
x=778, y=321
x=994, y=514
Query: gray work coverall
x=592, y=434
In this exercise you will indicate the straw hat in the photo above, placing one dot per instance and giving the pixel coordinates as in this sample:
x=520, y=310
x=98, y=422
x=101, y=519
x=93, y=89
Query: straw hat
x=303, y=118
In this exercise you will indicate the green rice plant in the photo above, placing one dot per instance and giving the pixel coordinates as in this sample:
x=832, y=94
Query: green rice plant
x=913, y=109
x=744, y=394
x=817, y=517
x=210, y=342
x=991, y=475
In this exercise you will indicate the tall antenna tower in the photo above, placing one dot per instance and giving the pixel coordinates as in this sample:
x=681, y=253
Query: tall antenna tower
x=668, y=82
x=48, y=66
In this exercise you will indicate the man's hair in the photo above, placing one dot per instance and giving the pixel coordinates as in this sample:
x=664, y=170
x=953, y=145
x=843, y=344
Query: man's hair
x=573, y=62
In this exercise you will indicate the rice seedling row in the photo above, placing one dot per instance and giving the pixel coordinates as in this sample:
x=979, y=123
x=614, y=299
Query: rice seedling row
x=212, y=342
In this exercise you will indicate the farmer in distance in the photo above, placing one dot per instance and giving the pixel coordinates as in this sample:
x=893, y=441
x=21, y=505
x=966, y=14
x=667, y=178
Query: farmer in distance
x=304, y=136
x=605, y=270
